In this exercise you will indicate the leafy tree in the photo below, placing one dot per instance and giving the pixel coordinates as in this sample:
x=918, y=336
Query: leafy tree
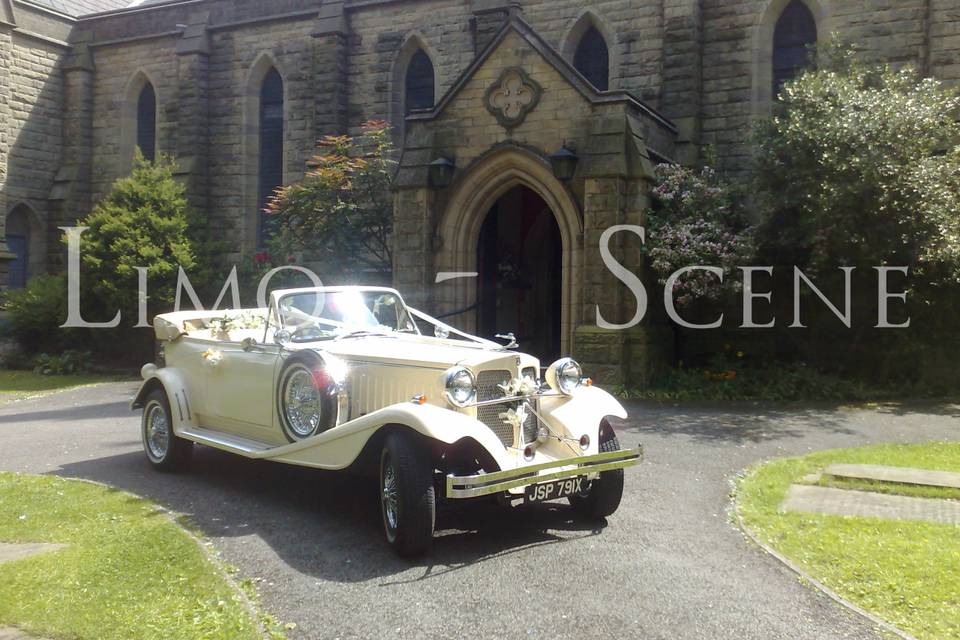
x=860, y=166
x=342, y=212
x=143, y=222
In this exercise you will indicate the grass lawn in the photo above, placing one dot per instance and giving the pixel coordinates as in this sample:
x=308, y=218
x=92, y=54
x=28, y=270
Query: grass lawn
x=128, y=572
x=904, y=572
x=16, y=384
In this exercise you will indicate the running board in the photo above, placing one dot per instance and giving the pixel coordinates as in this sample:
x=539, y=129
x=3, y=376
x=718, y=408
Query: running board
x=227, y=441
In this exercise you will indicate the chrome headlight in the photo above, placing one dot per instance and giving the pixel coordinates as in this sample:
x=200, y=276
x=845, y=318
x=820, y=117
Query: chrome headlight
x=461, y=386
x=564, y=375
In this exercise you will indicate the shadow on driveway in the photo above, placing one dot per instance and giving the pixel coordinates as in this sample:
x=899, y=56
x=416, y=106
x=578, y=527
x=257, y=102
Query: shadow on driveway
x=326, y=524
x=734, y=423
x=104, y=411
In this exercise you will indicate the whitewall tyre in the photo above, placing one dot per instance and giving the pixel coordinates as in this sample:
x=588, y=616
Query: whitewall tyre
x=165, y=450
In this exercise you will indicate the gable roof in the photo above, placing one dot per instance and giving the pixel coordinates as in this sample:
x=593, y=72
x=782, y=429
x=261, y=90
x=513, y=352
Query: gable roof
x=574, y=77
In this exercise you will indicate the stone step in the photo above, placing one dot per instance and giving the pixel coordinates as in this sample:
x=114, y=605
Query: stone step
x=904, y=475
x=12, y=633
x=10, y=552
x=865, y=504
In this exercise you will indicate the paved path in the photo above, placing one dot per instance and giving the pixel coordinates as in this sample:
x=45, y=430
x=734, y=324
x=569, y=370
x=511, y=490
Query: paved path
x=865, y=504
x=902, y=475
x=667, y=565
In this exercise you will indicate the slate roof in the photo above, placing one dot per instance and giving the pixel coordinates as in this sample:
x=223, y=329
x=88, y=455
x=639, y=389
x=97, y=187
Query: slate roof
x=81, y=7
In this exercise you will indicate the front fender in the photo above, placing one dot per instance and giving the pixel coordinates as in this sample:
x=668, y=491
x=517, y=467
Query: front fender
x=581, y=413
x=587, y=405
x=337, y=448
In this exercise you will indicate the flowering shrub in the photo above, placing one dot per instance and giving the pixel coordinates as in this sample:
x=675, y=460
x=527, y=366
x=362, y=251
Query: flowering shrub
x=695, y=221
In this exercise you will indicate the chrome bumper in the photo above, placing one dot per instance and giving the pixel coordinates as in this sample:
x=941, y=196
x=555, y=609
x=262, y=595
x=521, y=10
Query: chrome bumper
x=487, y=483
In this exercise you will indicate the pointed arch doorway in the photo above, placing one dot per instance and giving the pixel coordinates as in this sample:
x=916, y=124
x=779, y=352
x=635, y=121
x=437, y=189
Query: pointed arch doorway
x=519, y=261
x=510, y=200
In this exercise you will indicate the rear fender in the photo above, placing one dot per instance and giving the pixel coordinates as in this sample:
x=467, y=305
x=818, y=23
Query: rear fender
x=174, y=385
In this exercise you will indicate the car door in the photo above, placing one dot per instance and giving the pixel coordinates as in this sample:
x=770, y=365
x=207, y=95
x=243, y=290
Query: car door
x=240, y=390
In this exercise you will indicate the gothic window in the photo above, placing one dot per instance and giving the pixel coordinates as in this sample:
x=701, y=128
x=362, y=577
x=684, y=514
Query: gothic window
x=592, y=59
x=271, y=145
x=795, y=32
x=147, y=122
x=24, y=240
x=419, y=83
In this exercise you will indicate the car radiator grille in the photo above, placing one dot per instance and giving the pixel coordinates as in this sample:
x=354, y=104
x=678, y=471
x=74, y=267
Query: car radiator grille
x=489, y=415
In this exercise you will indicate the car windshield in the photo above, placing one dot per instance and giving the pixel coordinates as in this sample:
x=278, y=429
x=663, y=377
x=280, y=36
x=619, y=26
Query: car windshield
x=324, y=315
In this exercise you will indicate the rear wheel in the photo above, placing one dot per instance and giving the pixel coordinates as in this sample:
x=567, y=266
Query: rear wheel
x=165, y=450
x=407, y=500
x=603, y=496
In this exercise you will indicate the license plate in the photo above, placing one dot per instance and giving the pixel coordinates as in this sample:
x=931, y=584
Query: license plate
x=555, y=490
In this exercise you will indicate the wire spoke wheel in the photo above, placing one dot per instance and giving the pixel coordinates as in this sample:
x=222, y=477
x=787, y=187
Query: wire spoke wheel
x=390, y=496
x=157, y=431
x=407, y=497
x=165, y=450
x=302, y=404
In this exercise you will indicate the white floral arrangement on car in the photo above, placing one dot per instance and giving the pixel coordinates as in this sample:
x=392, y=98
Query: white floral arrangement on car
x=517, y=388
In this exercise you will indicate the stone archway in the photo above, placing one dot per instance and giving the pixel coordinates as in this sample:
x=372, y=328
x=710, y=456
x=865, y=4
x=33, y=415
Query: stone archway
x=482, y=185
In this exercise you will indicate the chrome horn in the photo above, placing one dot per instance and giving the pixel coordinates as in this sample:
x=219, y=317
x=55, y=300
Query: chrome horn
x=510, y=338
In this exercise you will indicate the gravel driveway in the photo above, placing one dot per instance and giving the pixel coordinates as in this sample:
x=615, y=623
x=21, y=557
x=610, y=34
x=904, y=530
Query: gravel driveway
x=667, y=565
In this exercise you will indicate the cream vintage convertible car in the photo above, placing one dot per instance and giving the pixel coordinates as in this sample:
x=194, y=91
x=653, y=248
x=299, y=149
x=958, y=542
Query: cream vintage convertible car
x=343, y=378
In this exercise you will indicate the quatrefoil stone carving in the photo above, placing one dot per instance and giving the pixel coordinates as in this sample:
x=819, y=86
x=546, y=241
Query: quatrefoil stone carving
x=512, y=97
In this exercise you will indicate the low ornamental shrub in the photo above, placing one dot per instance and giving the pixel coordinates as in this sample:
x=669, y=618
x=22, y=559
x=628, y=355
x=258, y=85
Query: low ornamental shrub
x=70, y=362
x=36, y=312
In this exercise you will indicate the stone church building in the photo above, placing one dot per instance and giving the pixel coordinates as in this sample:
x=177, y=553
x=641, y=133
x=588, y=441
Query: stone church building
x=526, y=127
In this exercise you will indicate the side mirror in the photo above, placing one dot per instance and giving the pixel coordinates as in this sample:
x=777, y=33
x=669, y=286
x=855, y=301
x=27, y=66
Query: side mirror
x=281, y=336
x=248, y=344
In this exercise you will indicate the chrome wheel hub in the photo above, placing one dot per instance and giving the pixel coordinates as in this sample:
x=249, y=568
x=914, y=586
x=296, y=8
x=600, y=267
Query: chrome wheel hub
x=157, y=431
x=301, y=403
x=391, y=497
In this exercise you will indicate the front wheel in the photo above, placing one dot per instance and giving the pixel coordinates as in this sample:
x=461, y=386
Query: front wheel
x=165, y=450
x=407, y=500
x=603, y=496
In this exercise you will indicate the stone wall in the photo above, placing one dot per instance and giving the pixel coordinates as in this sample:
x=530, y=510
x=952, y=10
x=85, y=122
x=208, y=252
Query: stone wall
x=238, y=59
x=944, y=54
x=633, y=29
x=31, y=124
x=117, y=70
x=34, y=128
x=700, y=62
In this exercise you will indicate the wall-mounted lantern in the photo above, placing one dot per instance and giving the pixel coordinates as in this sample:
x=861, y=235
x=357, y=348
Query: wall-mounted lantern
x=564, y=163
x=440, y=172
